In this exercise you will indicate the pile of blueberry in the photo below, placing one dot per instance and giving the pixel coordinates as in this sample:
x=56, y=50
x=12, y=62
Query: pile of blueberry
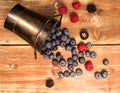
x=62, y=38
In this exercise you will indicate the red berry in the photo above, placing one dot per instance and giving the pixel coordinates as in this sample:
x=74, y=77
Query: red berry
x=76, y=5
x=62, y=10
x=89, y=66
x=82, y=47
x=74, y=17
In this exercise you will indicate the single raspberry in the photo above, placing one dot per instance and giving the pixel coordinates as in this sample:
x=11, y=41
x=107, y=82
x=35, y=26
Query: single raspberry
x=76, y=5
x=82, y=47
x=89, y=66
x=74, y=17
x=62, y=9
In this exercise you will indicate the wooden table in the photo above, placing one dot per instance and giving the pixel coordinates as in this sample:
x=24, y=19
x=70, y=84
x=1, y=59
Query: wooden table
x=21, y=73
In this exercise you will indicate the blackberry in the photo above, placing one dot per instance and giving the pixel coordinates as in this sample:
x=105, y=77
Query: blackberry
x=49, y=83
x=89, y=45
x=62, y=63
x=91, y=8
x=51, y=56
x=68, y=47
x=105, y=61
x=98, y=75
x=70, y=67
x=65, y=31
x=72, y=42
x=75, y=57
x=81, y=59
x=55, y=62
x=70, y=61
x=80, y=54
x=66, y=73
x=75, y=63
x=79, y=71
x=72, y=74
x=87, y=53
x=58, y=55
x=62, y=44
x=63, y=37
x=61, y=75
x=104, y=73
x=74, y=50
x=93, y=54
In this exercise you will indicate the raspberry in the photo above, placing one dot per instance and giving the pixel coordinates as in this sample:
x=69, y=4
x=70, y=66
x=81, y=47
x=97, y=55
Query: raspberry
x=74, y=18
x=89, y=66
x=62, y=10
x=82, y=47
x=76, y=5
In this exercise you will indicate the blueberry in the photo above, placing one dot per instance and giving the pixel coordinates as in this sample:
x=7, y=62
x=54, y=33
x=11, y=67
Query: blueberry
x=74, y=50
x=62, y=63
x=65, y=31
x=58, y=33
x=49, y=83
x=79, y=71
x=62, y=44
x=58, y=55
x=48, y=52
x=63, y=37
x=104, y=73
x=72, y=74
x=53, y=36
x=55, y=62
x=53, y=31
x=89, y=45
x=80, y=54
x=48, y=45
x=43, y=49
x=91, y=8
x=51, y=56
x=48, y=38
x=54, y=48
x=75, y=63
x=70, y=67
x=57, y=42
x=70, y=61
x=81, y=59
x=72, y=42
x=93, y=54
x=68, y=39
x=53, y=43
x=68, y=47
x=45, y=56
x=87, y=53
x=75, y=57
x=105, y=61
x=61, y=75
x=98, y=75
x=66, y=73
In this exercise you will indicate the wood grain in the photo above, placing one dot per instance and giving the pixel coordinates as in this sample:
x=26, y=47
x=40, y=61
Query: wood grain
x=20, y=73
x=103, y=26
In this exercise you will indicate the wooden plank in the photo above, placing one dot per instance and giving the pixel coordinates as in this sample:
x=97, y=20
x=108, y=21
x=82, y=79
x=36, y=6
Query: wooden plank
x=20, y=72
x=103, y=26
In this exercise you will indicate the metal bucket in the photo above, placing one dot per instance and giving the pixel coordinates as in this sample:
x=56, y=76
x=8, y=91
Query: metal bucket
x=32, y=27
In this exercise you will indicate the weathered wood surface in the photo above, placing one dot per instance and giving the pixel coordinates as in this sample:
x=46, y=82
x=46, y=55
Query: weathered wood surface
x=21, y=73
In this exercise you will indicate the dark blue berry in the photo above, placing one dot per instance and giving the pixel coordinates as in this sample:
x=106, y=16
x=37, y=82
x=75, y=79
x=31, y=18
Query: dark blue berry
x=54, y=48
x=74, y=50
x=45, y=56
x=65, y=31
x=58, y=33
x=55, y=62
x=62, y=63
x=58, y=55
x=81, y=59
x=53, y=43
x=61, y=75
x=72, y=74
x=93, y=54
x=80, y=54
x=68, y=39
x=62, y=44
x=66, y=73
x=68, y=47
x=51, y=56
x=70, y=61
x=79, y=71
x=87, y=53
x=57, y=42
x=48, y=39
x=53, y=36
x=49, y=83
x=105, y=61
x=91, y=8
x=53, y=31
x=72, y=42
x=63, y=37
x=48, y=45
x=98, y=75
x=48, y=52
x=89, y=45
x=70, y=67
x=104, y=73
x=75, y=63
x=74, y=57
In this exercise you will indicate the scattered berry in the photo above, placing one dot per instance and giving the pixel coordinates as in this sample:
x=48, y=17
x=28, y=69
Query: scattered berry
x=104, y=73
x=88, y=53
x=49, y=83
x=81, y=59
x=89, y=45
x=91, y=8
x=65, y=31
x=74, y=57
x=61, y=75
x=79, y=71
x=62, y=44
x=75, y=63
x=70, y=61
x=98, y=75
x=74, y=50
x=89, y=66
x=66, y=73
x=62, y=63
x=93, y=54
x=55, y=62
x=51, y=56
x=72, y=74
x=68, y=47
x=80, y=54
x=70, y=67
x=82, y=47
x=72, y=42
x=74, y=18
x=105, y=61
x=58, y=55
x=76, y=5
x=63, y=37
x=62, y=9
